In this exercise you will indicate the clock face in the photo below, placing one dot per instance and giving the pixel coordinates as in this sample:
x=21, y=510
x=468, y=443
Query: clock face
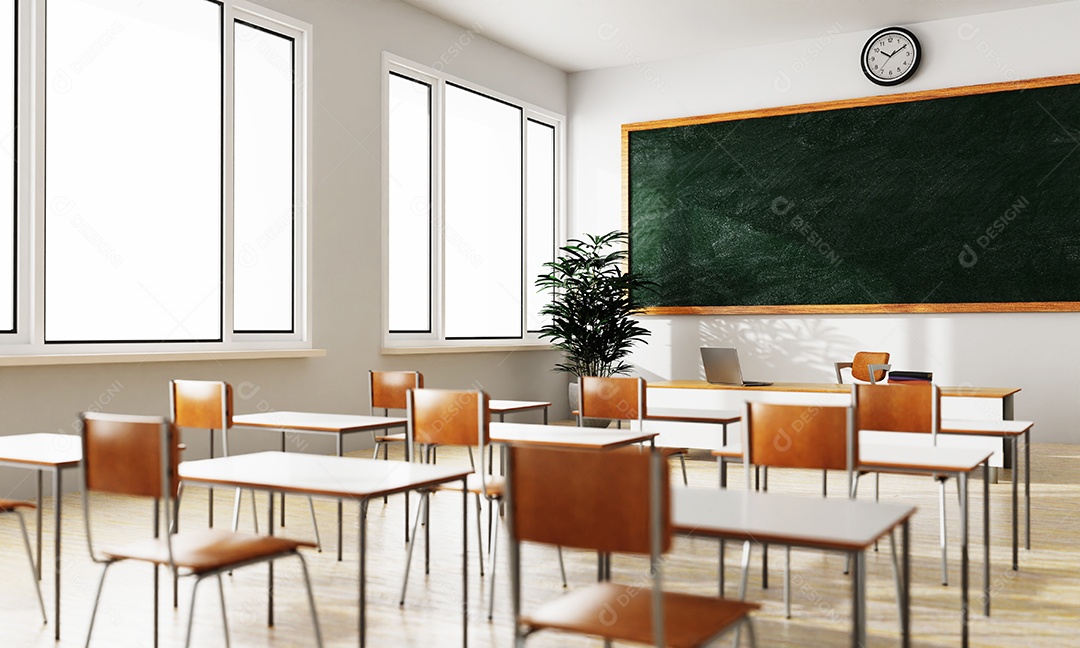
x=891, y=56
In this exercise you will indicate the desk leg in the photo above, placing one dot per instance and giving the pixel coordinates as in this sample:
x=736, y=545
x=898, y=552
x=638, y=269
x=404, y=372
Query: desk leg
x=341, y=453
x=986, y=537
x=37, y=516
x=1015, y=516
x=270, y=582
x=57, y=501
x=963, y=477
x=905, y=588
x=1027, y=489
x=282, y=494
x=363, y=571
x=721, y=561
x=465, y=563
x=858, y=599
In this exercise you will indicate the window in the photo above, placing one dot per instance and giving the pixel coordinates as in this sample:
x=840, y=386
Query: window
x=172, y=140
x=472, y=211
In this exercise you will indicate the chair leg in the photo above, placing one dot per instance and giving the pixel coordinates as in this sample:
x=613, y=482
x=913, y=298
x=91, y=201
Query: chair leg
x=479, y=536
x=787, y=582
x=191, y=612
x=745, y=570
x=254, y=513
x=562, y=567
x=311, y=600
x=751, y=637
x=408, y=555
x=877, y=495
x=97, y=600
x=33, y=569
x=854, y=495
x=824, y=483
x=314, y=524
x=944, y=535
x=224, y=615
x=236, y=509
x=494, y=556
x=682, y=460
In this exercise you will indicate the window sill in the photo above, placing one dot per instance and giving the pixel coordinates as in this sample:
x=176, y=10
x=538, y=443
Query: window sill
x=169, y=356
x=486, y=348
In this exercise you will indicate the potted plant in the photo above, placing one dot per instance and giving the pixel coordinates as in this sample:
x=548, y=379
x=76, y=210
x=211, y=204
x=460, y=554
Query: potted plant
x=592, y=307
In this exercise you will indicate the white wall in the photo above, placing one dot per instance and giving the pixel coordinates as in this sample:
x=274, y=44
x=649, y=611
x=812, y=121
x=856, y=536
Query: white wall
x=349, y=38
x=1038, y=352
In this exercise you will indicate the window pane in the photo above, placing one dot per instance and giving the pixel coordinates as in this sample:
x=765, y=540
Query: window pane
x=410, y=206
x=263, y=181
x=539, y=215
x=9, y=145
x=482, y=238
x=133, y=160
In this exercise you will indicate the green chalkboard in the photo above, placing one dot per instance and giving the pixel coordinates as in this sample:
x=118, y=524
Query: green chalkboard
x=965, y=199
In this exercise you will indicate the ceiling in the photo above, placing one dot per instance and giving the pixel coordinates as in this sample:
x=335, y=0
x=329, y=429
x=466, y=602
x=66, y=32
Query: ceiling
x=576, y=35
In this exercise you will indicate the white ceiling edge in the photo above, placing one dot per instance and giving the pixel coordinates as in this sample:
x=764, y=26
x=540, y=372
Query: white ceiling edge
x=579, y=35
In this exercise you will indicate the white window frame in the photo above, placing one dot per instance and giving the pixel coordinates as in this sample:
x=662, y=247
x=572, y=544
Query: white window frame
x=436, y=341
x=29, y=339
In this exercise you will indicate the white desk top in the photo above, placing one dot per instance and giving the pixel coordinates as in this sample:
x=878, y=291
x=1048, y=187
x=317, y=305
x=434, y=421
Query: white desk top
x=317, y=422
x=295, y=472
x=924, y=459
x=564, y=435
x=693, y=415
x=985, y=428
x=503, y=406
x=800, y=521
x=42, y=449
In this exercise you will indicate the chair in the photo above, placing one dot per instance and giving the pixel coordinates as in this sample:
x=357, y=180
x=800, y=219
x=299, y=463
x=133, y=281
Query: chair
x=208, y=405
x=867, y=366
x=13, y=507
x=387, y=390
x=620, y=399
x=447, y=417
x=905, y=408
x=615, y=501
x=138, y=456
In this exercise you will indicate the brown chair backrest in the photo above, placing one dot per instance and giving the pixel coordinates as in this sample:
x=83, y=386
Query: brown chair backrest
x=203, y=404
x=799, y=436
x=612, y=397
x=122, y=454
x=387, y=388
x=898, y=408
x=448, y=417
x=860, y=369
x=587, y=499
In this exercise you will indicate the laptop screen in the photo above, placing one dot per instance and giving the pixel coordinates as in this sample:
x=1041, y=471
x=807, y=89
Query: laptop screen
x=721, y=365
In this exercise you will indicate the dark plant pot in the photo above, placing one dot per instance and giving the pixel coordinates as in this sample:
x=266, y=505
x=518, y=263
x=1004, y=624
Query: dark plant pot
x=575, y=403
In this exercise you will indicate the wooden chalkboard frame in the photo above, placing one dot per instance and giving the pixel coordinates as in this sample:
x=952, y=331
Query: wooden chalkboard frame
x=961, y=307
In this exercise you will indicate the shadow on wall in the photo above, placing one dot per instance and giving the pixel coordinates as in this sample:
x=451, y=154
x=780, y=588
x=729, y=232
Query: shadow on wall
x=784, y=350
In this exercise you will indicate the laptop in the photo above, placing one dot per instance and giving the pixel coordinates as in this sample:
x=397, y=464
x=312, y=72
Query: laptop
x=722, y=367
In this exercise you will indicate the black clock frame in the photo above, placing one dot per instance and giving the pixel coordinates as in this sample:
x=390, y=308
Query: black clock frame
x=917, y=53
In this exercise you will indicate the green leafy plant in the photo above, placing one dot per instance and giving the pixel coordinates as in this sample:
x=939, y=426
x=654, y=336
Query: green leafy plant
x=593, y=305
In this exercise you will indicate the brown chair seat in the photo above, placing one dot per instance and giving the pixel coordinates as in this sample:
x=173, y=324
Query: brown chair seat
x=7, y=505
x=496, y=485
x=207, y=550
x=624, y=612
x=390, y=438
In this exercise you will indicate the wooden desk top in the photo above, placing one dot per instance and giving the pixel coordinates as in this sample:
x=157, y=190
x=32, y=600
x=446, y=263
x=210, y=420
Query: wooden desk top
x=294, y=472
x=42, y=449
x=830, y=388
x=692, y=415
x=317, y=422
x=800, y=521
x=565, y=436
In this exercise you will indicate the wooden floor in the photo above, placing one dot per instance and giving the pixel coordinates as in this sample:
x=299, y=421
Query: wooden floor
x=1037, y=606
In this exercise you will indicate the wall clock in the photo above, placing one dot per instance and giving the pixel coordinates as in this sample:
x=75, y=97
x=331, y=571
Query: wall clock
x=891, y=56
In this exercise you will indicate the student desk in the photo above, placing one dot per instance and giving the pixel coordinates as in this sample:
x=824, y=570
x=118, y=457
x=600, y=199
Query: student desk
x=335, y=425
x=41, y=452
x=566, y=436
x=847, y=526
x=338, y=477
